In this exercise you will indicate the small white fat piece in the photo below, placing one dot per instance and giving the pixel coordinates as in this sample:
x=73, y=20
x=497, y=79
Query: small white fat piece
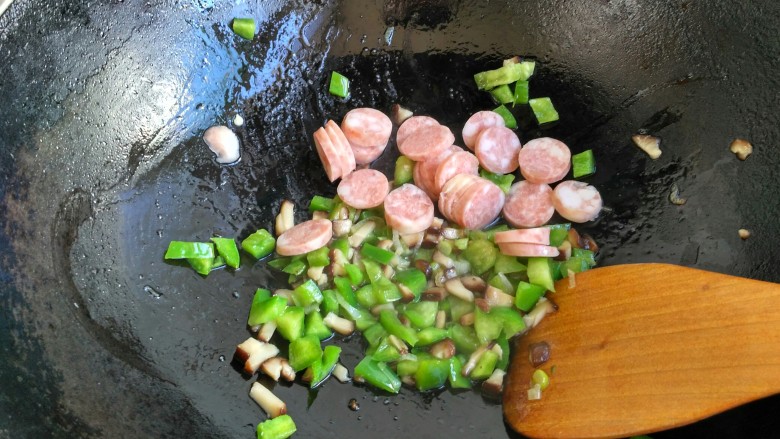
x=224, y=143
x=238, y=120
x=649, y=144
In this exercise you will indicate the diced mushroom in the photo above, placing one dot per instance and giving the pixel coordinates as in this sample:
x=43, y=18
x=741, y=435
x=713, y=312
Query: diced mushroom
x=472, y=361
x=437, y=224
x=287, y=294
x=267, y=400
x=542, y=308
x=452, y=233
x=286, y=218
x=474, y=283
x=398, y=344
x=482, y=304
x=441, y=319
x=434, y=294
x=377, y=309
x=564, y=251
x=266, y=331
x=512, y=60
x=572, y=279
x=496, y=297
x=430, y=240
x=443, y=259
x=400, y=114
x=457, y=289
x=360, y=233
x=341, y=373
x=443, y=350
x=273, y=367
x=319, y=214
x=388, y=271
x=408, y=380
x=649, y=144
x=253, y=353
x=223, y=143
x=744, y=233
x=406, y=294
x=742, y=148
x=538, y=353
x=341, y=227
x=467, y=319
x=493, y=387
x=339, y=324
x=337, y=262
x=413, y=240
x=314, y=273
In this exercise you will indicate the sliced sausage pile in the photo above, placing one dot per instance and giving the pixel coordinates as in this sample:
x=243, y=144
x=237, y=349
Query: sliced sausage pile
x=448, y=174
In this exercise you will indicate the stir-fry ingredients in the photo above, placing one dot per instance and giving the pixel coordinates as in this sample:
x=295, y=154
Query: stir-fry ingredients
x=245, y=27
x=583, y=164
x=223, y=143
x=649, y=144
x=742, y=148
x=744, y=234
x=339, y=85
x=280, y=427
x=543, y=109
x=674, y=195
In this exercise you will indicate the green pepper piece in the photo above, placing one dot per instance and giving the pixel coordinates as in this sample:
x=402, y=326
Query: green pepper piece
x=385, y=291
x=319, y=203
x=459, y=307
x=424, y=254
x=558, y=269
x=307, y=294
x=527, y=295
x=374, y=334
x=190, y=250
x=540, y=273
x=430, y=335
x=481, y=255
x=512, y=322
x=259, y=244
x=504, y=75
x=378, y=374
x=344, y=288
x=588, y=255
x=485, y=366
x=244, y=27
x=577, y=264
x=431, y=373
x=384, y=351
x=504, y=181
x=508, y=264
x=406, y=367
x=509, y=119
x=319, y=257
x=377, y=254
x=365, y=296
x=421, y=314
x=329, y=303
x=465, y=338
x=354, y=274
x=341, y=244
x=291, y=323
x=321, y=370
x=373, y=271
x=304, y=351
x=339, y=85
x=558, y=233
x=413, y=279
x=456, y=378
x=315, y=326
x=354, y=313
x=227, y=248
x=296, y=267
x=503, y=342
x=487, y=325
x=521, y=93
x=265, y=308
x=280, y=427
x=404, y=170
x=543, y=110
x=583, y=164
x=503, y=94
x=390, y=322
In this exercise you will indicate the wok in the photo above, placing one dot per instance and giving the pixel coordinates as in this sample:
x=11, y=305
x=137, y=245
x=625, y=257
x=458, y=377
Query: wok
x=101, y=164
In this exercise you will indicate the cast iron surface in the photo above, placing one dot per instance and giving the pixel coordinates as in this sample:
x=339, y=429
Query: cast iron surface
x=101, y=164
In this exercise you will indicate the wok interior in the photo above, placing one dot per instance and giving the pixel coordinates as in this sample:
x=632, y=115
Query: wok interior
x=103, y=165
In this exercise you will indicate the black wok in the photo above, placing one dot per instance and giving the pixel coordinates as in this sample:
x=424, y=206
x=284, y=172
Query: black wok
x=101, y=164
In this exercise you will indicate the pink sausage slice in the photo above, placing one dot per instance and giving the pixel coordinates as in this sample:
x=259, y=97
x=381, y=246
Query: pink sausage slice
x=367, y=127
x=461, y=162
x=367, y=154
x=577, y=201
x=364, y=188
x=528, y=250
x=478, y=122
x=544, y=160
x=427, y=142
x=480, y=204
x=452, y=192
x=413, y=124
x=305, y=237
x=425, y=172
x=408, y=209
x=497, y=148
x=538, y=235
x=529, y=205
x=330, y=158
x=340, y=142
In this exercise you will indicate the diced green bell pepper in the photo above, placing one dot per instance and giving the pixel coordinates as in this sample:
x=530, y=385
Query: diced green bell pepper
x=520, y=93
x=321, y=369
x=404, y=170
x=378, y=374
x=319, y=257
x=319, y=203
x=431, y=335
x=509, y=118
x=392, y=325
x=259, y=244
x=508, y=264
x=465, y=338
x=315, y=325
x=377, y=254
x=265, y=308
x=431, y=374
x=527, y=295
x=503, y=94
x=291, y=323
x=244, y=27
x=540, y=273
x=280, y=427
x=504, y=181
x=485, y=366
x=339, y=85
x=190, y=250
x=304, y=351
x=481, y=255
x=227, y=248
x=543, y=110
x=421, y=314
x=307, y=294
x=413, y=279
x=456, y=378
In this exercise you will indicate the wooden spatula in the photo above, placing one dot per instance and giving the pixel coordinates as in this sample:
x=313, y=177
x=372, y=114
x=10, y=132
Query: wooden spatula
x=646, y=347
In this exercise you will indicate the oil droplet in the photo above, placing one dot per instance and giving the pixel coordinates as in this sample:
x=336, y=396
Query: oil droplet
x=221, y=358
x=152, y=292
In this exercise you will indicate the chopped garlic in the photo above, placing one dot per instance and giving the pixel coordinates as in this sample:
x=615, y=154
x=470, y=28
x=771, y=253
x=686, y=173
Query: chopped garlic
x=744, y=233
x=742, y=148
x=224, y=143
x=649, y=144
